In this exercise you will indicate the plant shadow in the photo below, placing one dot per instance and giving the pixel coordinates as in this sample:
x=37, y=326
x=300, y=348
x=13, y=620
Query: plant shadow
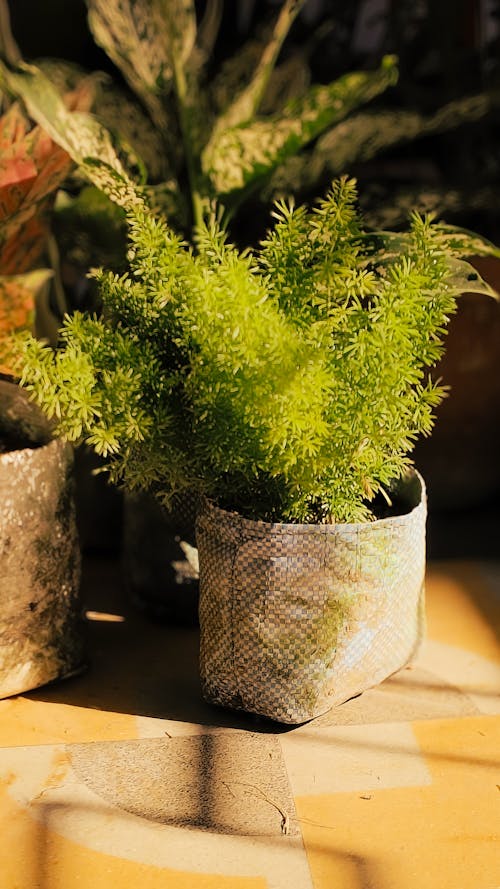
x=147, y=669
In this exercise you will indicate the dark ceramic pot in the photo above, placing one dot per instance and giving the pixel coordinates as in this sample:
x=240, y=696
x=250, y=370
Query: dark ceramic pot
x=160, y=558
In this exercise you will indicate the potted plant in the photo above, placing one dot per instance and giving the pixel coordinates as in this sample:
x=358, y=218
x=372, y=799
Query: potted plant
x=251, y=124
x=286, y=387
x=163, y=55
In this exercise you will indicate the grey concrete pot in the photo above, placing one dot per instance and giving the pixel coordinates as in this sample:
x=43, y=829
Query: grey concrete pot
x=41, y=626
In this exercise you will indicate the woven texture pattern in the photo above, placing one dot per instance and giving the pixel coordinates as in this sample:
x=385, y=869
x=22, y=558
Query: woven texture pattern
x=295, y=619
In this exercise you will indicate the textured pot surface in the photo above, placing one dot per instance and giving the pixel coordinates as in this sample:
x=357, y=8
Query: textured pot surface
x=295, y=619
x=41, y=636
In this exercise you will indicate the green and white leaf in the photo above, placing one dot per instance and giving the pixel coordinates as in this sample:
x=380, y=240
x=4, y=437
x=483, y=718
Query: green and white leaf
x=234, y=158
x=451, y=240
x=87, y=142
x=465, y=279
x=468, y=242
x=179, y=17
x=142, y=37
x=119, y=111
x=66, y=76
x=206, y=36
x=365, y=134
x=247, y=102
x=385, y=208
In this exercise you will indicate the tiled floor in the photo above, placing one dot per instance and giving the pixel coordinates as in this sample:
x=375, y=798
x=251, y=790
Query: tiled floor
x=123, y=777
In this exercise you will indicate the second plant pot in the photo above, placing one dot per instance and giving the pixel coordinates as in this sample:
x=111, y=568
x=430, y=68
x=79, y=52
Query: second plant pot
x=160, y=560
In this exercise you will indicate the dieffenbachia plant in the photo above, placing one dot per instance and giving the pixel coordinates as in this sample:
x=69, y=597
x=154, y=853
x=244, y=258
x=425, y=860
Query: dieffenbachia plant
x=256, y=124
x=213, y=132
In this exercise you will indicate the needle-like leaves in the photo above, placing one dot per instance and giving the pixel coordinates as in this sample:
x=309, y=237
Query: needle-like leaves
x=289, y=383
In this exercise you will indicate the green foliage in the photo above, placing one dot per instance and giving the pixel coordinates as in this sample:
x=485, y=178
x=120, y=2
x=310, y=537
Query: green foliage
x=214, y=135
x=289, y=382
x=365, y=134
x=32, y=169
x=204, y=127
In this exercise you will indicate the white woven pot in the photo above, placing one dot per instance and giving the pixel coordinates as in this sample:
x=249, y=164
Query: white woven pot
x=295, y=619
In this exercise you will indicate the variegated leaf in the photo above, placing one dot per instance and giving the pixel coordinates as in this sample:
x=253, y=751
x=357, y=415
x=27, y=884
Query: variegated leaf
x=32, y=168
x=145, y=38
x=244, y=107
x=466, y=279
x=389, y=208
x=289, y=79
x=180, y=19
x=119, y=111
x=236, y=157
x=207, y=33
x=17, y=307
x=463, y=277
x=366, y=134
x=64, y=75
x=469, y=243
x=80, y=134
x=235, y=71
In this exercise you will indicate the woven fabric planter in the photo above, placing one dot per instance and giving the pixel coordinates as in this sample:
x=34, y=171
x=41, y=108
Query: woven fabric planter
x=295, y=619
x=41, y=627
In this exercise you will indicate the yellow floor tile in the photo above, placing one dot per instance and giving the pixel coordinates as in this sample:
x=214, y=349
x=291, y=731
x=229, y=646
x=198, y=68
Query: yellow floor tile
x=34, y=857
x=445, y=835
x=24, y=721
x=462, y=610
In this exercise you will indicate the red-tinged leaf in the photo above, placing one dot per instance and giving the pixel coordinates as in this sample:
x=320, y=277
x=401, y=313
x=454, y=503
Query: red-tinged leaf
x=23, y=251
x=53, y=165
x=32, y=168
x=79, y=133
x=15, y=169
x=17, y=307
x=13, y=126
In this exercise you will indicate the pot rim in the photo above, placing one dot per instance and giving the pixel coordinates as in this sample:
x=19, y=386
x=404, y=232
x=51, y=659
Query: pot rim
x=209, y=508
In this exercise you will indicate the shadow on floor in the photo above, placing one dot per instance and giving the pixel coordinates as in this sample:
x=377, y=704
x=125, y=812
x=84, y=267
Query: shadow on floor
x=147, y=669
